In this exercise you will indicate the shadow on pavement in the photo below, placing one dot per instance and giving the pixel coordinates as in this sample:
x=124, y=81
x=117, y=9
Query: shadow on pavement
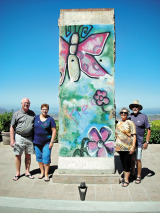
x=118, y=165
x=147, y=172
x=37, y=171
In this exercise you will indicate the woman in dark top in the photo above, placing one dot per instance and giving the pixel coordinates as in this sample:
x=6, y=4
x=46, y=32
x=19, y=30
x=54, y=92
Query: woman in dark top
x=44, y=136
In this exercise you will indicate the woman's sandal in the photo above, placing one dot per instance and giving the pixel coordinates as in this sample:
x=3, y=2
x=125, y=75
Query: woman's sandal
x=46, y=179
x=41, y=177
x=138, y=180
x=16, y=177
x=125, y=184
x=121, y=180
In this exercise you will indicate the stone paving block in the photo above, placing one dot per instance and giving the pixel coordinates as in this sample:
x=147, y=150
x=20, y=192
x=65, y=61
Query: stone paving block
x=70, y=188
x=53, y=191
x=87, y=179
x=4, y=192
x=138, y=193
x=70, y=179
x=18, y=194
x=151, y=187
x=90, y=195
x=35, y=194
x=69, y=196
x=154, y=196
x=121, y=193
x=70, y=192
x=41, y=182
x=104, y=193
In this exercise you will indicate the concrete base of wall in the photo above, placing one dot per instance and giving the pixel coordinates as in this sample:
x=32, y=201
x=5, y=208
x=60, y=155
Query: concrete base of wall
x=78, y=165
x=87, y=178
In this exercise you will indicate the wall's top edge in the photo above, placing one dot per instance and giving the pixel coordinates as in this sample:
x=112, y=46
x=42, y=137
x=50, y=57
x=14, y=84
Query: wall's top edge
x=89, y=9
x=86, y=16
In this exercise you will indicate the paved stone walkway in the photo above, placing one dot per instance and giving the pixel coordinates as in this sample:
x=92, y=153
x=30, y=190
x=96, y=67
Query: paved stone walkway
x=147, y=191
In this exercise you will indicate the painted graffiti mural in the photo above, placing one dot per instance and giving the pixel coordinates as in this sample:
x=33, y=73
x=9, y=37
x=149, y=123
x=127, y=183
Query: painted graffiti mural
x=86, y=91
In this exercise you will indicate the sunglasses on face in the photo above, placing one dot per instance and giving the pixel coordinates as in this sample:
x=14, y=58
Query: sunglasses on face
x=135, y=106
x=126, y=113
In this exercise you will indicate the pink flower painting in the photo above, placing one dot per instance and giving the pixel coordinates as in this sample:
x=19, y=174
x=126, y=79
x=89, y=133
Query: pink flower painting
x=99, y=144
x=101, y=98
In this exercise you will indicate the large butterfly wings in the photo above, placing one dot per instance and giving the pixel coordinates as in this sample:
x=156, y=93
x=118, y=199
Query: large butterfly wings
x=87, y=49
x=64, y=51
x=92, y=46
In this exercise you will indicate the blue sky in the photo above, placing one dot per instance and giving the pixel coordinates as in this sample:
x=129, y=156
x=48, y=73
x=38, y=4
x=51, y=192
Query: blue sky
x=29, y=50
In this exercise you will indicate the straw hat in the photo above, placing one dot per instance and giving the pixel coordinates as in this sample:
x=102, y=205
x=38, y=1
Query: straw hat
x=136, y=102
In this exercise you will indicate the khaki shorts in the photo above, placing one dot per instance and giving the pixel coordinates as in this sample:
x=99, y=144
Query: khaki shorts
x=139, y=153
x=23, y=144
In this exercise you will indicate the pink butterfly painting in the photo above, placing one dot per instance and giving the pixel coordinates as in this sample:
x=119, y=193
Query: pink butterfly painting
x=77, y=57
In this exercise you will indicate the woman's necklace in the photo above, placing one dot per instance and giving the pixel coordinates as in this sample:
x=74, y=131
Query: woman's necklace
x=42, y=118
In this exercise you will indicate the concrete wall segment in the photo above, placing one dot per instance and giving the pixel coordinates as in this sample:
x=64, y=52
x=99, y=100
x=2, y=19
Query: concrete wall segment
x=86, y=91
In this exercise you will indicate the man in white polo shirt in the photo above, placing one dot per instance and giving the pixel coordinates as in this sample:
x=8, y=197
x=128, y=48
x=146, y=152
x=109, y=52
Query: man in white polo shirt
x=21, y=137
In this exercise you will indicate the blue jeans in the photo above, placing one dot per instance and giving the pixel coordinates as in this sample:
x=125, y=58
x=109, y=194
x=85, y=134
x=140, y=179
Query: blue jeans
x=43, y=153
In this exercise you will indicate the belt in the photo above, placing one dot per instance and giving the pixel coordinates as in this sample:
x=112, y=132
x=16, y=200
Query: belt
x=23, y=136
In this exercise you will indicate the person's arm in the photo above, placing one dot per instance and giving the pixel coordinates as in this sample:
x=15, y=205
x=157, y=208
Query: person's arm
x=133, y=133
x=132, y=149
x=54, y=131
x=12, y=140
x=145, y=145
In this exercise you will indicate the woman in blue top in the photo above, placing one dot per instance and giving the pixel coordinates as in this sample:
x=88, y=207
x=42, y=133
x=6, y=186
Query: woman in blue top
x=44, y=136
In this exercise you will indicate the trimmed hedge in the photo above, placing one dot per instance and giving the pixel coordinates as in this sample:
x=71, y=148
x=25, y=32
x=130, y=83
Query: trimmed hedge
x=155, y=132
x=57, y=128
x=5, y=121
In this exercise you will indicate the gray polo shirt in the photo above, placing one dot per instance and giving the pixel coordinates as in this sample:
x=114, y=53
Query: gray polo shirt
x=23, y=122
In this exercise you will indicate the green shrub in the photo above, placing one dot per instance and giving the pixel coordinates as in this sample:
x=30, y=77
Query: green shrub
x=5, y=121
x=57, y=128
x=155, y=132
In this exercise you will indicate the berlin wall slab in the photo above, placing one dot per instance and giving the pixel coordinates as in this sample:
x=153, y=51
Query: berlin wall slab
x=86, y=91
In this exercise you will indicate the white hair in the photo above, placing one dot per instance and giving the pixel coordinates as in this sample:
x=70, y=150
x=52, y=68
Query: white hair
x=124, y=108
x=25, y=98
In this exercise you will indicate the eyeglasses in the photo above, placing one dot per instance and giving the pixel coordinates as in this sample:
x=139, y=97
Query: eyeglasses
x=135, y=106
x=44, y=109
x=126, y=113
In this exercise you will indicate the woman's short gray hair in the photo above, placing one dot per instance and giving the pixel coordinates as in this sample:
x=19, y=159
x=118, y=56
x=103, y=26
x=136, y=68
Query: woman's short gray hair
x=124, y=108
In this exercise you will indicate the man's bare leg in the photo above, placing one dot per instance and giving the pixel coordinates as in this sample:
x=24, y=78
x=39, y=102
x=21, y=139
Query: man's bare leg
x=18, y=164
x=27, y=163
x=139, y=169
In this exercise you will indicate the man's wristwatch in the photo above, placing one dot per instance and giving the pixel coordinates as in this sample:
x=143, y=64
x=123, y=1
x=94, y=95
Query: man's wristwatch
x=147, y=142
x=52, y=141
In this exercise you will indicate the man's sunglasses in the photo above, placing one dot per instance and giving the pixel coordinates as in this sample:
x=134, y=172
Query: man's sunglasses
x=126, y=113
x=135, y=106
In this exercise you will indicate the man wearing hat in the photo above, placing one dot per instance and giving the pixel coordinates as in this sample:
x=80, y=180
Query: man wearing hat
x=142, y=123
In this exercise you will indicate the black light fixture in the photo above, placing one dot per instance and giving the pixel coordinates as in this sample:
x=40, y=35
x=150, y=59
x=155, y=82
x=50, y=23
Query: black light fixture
x=82, y=190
